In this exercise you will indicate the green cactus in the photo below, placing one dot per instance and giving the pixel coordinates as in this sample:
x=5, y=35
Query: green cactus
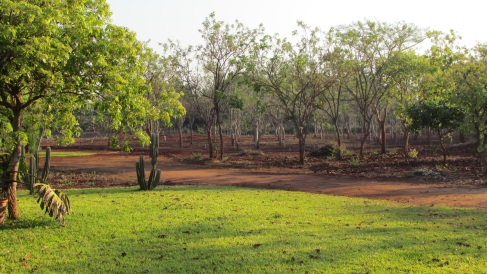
x=155, y=174
x=47, y=165
x=31, y=178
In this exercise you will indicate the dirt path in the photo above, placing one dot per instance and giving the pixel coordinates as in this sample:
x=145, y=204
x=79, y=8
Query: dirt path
x=119, y=169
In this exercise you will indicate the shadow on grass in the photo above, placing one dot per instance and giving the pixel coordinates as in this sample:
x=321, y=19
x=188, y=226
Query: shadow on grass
x=29, y=223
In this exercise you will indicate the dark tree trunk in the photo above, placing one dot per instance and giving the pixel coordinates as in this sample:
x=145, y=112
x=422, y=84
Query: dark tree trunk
x=302, y=143
x=180, y=131
x=13, y=169
x=382, y=125
x=220, y=132
x=443, y=147
x=191, y=122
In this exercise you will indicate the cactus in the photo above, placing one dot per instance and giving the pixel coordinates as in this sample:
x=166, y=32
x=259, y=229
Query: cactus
x=155, y=174
x=47, y=165
x=31, y=177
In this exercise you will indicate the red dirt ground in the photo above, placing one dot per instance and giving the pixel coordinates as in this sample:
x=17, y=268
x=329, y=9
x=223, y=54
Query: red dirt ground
x=388, y=177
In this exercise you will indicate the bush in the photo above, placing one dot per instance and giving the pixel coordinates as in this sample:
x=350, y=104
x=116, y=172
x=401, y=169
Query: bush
x=325, y=151
x=413, y=153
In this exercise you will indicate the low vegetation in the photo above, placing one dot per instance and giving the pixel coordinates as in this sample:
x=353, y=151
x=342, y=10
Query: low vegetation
x=232, y=230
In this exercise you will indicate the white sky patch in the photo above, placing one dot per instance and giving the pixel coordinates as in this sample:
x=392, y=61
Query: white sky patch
x=160, y=20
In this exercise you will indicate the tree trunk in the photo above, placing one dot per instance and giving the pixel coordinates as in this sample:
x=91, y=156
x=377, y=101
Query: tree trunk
x=257, y=135
x=191, y=122
x=219, y=128
x=280, y=135
x=13, y=169
x=406, y=143
x=210, y=142
x=443, y=147
x=220, y=133
x=382, y=125
x=302, y=143
x=362, y=144
x=180, y=131
x=339, y=141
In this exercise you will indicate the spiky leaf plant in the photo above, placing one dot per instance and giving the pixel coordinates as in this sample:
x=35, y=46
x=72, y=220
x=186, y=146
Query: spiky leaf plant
x=54, y=202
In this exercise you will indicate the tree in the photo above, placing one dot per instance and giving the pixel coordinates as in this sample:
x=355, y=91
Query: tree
x=370, y=46
x=407, y=70
x=64, y=54
x=471, y=92
x=163, y=98
x=295, y=74
x=331, y=99
x=218, y=63
x=439, y=116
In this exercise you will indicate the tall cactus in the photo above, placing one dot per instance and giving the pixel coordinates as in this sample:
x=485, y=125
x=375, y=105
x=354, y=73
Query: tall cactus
x=155, y=174
x=47, y=165
x=31, y=177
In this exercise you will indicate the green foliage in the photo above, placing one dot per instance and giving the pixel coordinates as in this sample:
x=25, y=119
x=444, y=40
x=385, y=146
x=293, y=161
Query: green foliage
x=196, y=229
x=197, y=156
x=114, y=142
x=155, y=175
x=413, y=153
x=355, y=161
x=438, y=116
x=126, y=147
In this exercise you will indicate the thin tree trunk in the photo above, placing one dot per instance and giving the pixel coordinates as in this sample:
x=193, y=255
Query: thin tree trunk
x=443, y=147
x=209, y=139
x=302, y=143
x=257, y=135
x=339, y=141
x=406, y=143
x=362, y=144
x=191, y=122
x=180, y=130
x=382, y=125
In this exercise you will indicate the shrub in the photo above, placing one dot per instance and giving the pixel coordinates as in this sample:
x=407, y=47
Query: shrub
x=355, y=161
x=325, y=151
x=413, y=153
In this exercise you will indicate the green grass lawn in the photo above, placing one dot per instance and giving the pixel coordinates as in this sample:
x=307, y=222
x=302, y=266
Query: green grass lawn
x=68, y=153
x=234, y=230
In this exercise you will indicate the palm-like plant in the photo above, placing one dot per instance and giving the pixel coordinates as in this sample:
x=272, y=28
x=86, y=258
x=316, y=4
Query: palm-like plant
x=54, y=202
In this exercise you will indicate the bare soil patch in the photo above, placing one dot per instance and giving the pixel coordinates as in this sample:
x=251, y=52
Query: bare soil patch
x=421, y=181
